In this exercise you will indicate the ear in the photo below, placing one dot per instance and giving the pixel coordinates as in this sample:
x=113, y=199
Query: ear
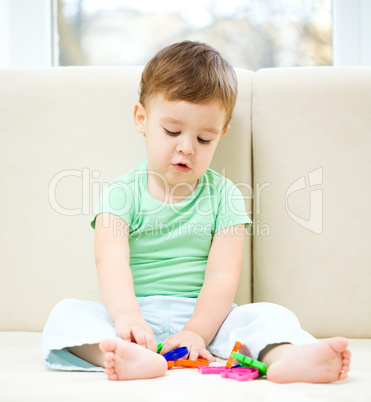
x=225, y=130
x=140, y=117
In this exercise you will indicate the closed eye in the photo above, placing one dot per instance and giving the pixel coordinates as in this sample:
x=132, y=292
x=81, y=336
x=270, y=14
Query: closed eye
x=175, y=133
x=171, y=133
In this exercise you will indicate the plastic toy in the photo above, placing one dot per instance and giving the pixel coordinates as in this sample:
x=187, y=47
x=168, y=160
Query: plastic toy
x=241, y=373
x=159, y=347
x=247, y=361
x=237, y=373
x=191, y=363
x=211, y=369
x=176, y=354
x=236, y=348
x=174, y=358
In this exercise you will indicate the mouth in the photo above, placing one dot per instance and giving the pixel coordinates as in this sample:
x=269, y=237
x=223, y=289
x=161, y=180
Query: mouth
x=181, y=167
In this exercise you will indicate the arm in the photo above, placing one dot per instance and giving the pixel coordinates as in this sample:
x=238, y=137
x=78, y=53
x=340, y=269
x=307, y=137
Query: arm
x=221, y=279
x=111, y=250
x=217, y=293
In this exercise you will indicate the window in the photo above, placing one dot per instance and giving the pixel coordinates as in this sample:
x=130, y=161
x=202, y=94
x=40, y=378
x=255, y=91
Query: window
x=251, y=34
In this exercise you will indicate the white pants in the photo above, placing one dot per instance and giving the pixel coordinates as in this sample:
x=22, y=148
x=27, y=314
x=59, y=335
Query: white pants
x=75, y=322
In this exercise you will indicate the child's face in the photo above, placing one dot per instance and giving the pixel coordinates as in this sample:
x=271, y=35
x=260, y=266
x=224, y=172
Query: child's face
x=181, y=138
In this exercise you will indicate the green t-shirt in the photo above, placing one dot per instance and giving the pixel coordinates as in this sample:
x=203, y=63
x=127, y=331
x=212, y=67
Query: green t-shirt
x=170, y=243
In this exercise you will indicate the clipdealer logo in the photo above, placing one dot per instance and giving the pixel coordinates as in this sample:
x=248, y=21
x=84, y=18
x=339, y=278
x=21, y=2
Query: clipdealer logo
x=315, y=222
x=91, y=189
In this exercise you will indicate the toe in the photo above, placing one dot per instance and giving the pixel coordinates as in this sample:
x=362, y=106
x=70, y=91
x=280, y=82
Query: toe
x=347, y=354
x=109, y=364
x=110, y=356
x=109, y=360
x=107, y=345
x=346, y=368
x=339, y=344
x=343, y=376
x=112, y=377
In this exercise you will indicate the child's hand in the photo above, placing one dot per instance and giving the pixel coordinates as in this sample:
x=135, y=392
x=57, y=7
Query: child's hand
x=133, y=328
x=194, y=342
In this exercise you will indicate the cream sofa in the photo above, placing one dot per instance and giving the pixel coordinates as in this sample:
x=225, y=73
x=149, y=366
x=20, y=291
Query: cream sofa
x=300, y=151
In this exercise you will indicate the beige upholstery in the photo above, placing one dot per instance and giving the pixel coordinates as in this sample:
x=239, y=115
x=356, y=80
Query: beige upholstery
x=312, y=151
x=66, y=132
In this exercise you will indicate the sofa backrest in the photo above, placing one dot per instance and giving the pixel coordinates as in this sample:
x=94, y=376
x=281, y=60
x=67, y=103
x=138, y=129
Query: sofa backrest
x=312, y=163
x=65, y=133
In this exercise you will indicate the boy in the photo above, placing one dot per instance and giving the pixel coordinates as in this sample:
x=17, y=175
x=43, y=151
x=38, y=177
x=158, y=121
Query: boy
x=169, y=243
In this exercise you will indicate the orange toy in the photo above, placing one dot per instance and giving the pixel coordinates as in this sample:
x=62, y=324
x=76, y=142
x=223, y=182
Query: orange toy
x=230, y=360
x=190, y=363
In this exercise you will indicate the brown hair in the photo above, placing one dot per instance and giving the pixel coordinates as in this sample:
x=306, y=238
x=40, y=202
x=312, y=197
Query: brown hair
x=190, y=71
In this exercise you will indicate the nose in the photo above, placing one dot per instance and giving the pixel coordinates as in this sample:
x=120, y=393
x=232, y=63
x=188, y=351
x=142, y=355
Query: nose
x=185, y=146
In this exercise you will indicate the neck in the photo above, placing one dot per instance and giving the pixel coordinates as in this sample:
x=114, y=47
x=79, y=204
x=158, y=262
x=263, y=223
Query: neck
x=166, y=192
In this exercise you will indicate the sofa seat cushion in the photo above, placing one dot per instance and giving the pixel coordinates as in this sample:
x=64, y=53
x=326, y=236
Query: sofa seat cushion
x=25, y=377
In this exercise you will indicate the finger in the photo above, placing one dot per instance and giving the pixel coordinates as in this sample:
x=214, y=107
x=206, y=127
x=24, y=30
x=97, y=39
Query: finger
x=125, y=334
x=151, y=342
x=170, y=344
x=207, y=355
x=138, y=336
x=194, y=353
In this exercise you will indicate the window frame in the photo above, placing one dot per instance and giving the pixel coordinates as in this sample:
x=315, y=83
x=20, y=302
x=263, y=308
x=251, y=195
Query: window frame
x=28, y=36
x=27, y=33
x=351, y=33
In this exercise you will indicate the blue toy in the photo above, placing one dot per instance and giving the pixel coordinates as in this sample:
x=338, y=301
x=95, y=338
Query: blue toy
x=176, y=354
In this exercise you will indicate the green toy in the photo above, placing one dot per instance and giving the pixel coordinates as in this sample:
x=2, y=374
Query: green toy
x=247, y=361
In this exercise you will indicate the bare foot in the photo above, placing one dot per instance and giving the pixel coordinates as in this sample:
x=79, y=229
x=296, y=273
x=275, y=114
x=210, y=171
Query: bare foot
x=129, y=361
x=321, y=362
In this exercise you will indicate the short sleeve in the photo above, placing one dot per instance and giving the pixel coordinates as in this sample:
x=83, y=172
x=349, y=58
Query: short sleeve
x=231, y=208
x=116, y=199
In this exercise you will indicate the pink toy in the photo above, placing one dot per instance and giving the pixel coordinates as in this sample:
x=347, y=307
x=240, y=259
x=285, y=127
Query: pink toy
x=211, y=369
x=237, y=373
x=241, y=373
